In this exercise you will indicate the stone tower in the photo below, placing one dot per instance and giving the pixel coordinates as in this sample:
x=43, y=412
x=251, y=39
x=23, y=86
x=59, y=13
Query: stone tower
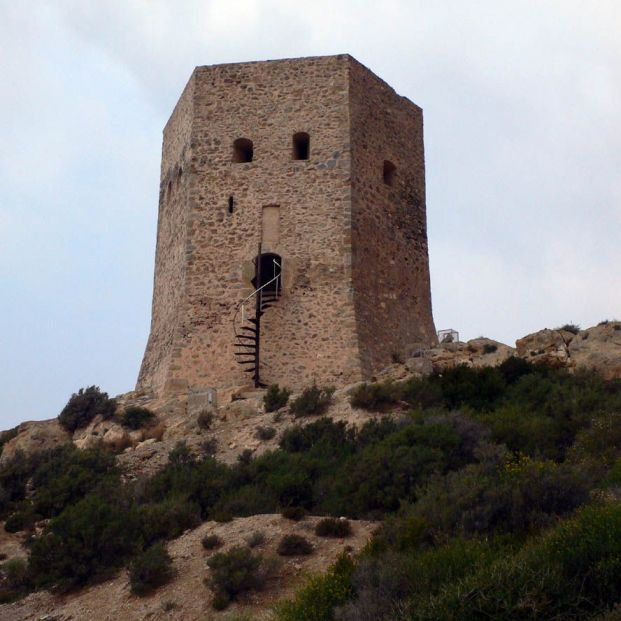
x=305, y=177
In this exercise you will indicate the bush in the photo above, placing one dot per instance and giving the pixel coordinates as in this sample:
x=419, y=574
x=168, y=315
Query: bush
x=7, y=436
x=318, y=598
x=275, y=398
x=211, y=542
x=489, y=348
x=83, y=406
x=313, y=401
x=205, y=419
x=167, y=519
x=294, y=513
x=374, y=397
x=86, y=540
x=570, y=327
x=16, y=574
x=265, y=433
x=235, y=572
x=209, y=447
x=570, y=573
x=255, y=539
x=518, y=497
x=331, y=527
x=136, y=417
x=150, y=570
x=20, y=520
x=294, y=545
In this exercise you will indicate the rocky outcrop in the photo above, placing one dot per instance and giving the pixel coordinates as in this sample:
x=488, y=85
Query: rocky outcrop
x=598, y=349
x=549, y=347
x=480, y=352
x=35, y=436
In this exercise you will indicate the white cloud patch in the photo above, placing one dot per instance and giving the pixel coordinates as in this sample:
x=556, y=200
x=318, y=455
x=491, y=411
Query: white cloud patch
x=522, y=125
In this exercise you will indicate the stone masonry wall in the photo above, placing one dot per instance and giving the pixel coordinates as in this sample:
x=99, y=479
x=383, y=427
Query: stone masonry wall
x=354, y=251
x=170, y=254
x=389, y=231
x=310, y=334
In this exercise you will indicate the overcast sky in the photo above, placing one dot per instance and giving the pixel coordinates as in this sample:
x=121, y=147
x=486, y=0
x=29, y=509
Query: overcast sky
x=522, y=105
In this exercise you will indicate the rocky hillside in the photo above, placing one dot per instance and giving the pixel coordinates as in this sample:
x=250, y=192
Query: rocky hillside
x=240, y=429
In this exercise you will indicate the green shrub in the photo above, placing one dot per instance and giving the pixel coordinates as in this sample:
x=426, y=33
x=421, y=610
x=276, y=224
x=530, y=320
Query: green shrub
x=150, y=570
x=15, y=581
x=205, y=419
x=570, y=573
x=265, y=433
x=16, y=574
x=86, y=540
x=489, y=348
x=235, y=572
x=20, y=520
x=167, y=519
x=136, y=417
x=7, y=436
x=85, y=405
x=520, y=496
x=312, y=402
x=332, y=527
x=255, y=539
x=570, y=327
x=211, y=542
x=294, y=513
x=67, y=474
x=317, y=600
x=275, y=398
x=294, y=545
x=375, y=397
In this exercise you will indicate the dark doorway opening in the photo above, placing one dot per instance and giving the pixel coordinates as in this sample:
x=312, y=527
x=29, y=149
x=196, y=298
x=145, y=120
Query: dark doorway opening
x=268, y=268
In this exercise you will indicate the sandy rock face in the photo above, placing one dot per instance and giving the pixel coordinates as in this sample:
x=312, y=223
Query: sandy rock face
x=481, y=352
x=598, y=349
x=35, y=436
x=547, y=346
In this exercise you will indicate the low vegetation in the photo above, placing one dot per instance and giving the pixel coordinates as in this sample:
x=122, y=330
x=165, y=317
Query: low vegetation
x=211, y=542
x=500, y=484
x=294, y=545
x=275, y=398
x=331, y=527
x=84, y=406
x=135, y=417
x=235, y=572
x=312, y=402
x=150, y=570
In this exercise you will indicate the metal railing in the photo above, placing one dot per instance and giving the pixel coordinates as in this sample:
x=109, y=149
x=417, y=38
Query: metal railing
x=241, y=307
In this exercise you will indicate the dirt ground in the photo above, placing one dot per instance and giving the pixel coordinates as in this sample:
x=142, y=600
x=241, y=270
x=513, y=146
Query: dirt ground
x=188, y=597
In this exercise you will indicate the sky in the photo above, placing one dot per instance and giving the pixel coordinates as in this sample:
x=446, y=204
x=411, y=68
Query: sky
x=522, y=109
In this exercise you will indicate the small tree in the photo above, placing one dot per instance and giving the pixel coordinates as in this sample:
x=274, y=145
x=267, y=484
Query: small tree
x=275, y=398
x=150, y=570
x=294, y=545
x=235, y=572
x=312, y=401
x=136, y=417
x=83, y=406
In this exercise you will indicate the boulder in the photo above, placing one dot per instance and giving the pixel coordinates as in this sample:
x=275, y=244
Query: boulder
x=550, y=347
x=598, y=349
x=35, y=436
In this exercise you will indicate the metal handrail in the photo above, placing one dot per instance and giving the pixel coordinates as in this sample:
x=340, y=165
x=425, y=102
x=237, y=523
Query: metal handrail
x=241, y=305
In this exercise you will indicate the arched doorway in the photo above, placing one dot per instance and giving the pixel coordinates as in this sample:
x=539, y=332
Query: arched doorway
x=268, y=269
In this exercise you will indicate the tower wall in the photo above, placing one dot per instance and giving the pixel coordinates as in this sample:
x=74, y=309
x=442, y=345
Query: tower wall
x=389, y=230
x=329, y=218
x=171, y=248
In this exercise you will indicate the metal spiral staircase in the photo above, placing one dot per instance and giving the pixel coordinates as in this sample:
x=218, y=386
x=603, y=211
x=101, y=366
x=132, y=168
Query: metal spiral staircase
x=247, y=320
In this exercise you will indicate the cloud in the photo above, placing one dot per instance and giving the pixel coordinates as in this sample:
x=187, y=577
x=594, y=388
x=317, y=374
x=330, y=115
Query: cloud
x=521, y=104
